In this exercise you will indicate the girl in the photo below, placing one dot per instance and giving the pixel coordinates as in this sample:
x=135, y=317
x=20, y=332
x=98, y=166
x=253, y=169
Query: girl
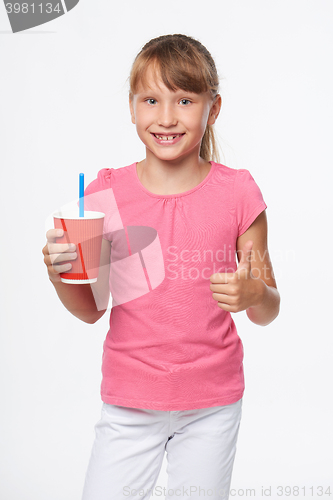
x=175, y=221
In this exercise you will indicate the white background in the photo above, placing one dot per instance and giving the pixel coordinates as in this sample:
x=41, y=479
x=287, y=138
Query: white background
x=64, y=110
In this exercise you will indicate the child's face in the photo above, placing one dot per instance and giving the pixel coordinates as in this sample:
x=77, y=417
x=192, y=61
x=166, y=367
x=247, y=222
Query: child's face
x=156, y=110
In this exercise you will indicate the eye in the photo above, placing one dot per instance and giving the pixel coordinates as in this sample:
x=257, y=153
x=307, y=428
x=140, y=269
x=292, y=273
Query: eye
x=185, y=101
x=148, y=100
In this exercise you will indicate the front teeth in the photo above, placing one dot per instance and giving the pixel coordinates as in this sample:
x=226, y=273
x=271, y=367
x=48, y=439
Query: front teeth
x=166, y=137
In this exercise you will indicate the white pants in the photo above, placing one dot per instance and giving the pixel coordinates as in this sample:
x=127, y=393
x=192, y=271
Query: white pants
x=130, y=444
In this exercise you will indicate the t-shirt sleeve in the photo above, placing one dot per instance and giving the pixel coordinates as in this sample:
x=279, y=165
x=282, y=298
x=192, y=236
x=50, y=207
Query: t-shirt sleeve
x=103, y=182
x=249, y=202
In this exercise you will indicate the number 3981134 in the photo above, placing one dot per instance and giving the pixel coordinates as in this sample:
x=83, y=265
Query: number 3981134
x=32, y=8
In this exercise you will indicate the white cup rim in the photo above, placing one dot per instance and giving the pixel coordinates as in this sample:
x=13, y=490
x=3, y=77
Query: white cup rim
x=74, y=215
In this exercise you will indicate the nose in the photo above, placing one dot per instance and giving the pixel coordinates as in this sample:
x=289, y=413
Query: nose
x=167, y=116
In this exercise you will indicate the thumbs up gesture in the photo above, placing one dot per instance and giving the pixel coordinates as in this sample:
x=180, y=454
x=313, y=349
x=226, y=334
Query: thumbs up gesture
x=237, y=291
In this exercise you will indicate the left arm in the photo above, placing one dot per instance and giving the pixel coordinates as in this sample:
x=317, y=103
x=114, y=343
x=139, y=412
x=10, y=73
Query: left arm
x=268, y=307
x=252, y=287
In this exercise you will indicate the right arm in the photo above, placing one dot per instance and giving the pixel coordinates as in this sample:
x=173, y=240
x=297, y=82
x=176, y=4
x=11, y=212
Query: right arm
x=88, y=302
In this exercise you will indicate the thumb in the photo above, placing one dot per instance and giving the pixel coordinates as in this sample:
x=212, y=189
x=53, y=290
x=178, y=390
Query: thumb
x=245, y=260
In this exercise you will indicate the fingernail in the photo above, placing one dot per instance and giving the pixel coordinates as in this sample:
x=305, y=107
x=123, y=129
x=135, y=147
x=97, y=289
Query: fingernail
x=72, y=246
x=59, y=232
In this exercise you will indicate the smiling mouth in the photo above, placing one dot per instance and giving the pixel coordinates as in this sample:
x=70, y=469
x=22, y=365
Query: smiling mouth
x=167, y=137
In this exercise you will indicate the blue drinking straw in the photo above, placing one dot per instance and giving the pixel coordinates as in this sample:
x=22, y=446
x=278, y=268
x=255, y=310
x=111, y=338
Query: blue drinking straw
x=81, y=200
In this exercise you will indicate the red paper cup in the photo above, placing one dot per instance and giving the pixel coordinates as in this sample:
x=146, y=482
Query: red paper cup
x=86, y=233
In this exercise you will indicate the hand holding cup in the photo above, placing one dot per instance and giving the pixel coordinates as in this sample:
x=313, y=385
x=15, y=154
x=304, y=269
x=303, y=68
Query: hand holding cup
x=57, y=256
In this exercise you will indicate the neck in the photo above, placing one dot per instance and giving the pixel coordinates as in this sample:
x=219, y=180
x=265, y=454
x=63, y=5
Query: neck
x=171, y=177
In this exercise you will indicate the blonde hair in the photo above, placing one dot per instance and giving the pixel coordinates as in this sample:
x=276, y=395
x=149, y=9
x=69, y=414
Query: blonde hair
x=183, y=63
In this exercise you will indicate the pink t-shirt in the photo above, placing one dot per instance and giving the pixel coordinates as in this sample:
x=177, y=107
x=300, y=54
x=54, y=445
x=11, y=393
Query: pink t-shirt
x=169, y=346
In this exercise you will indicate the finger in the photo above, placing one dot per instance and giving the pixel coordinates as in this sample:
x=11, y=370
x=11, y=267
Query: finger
x=57, y=248
x=223, y=298
x=222, y=278
x=60, y=258
x=54, y=271
x=220, y=288
x=246, y=256
x=53, y=234
x=245, y=251
x=56, y=260
x=226, y=307
x=60, y=268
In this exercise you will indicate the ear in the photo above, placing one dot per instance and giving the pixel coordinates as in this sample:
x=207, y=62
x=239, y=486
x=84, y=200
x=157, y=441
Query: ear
x=131, y=110
x=215, y=110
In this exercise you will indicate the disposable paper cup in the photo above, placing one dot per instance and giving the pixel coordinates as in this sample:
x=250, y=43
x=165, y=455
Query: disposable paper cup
x=86, y=233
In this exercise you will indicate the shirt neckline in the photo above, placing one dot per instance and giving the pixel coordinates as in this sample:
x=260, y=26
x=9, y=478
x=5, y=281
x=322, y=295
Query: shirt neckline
x=177, y=195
